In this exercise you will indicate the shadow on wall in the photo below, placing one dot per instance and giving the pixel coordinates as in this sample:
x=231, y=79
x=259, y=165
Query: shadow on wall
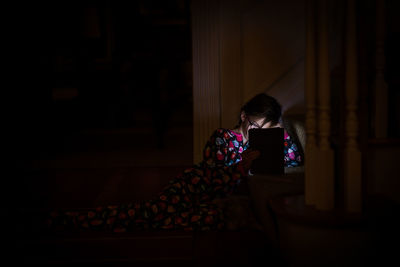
x=288, y=89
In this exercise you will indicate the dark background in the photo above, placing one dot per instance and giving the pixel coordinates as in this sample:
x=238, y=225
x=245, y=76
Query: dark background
x=98, y=96
x=97, y=65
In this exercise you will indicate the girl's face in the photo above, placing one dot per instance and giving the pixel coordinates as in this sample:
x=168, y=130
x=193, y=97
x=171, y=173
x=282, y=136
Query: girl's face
x=258, y=123
x=250, y=122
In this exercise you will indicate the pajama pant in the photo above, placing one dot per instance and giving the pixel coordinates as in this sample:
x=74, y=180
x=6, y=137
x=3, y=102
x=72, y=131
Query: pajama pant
x=185, y=203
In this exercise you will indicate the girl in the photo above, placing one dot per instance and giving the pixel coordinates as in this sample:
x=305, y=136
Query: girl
x=187, y=201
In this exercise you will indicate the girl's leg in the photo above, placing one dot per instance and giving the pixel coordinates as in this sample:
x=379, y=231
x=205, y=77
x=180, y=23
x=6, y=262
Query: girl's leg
x=158, y=213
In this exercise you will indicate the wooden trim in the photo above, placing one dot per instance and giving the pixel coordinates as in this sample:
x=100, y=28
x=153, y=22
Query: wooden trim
x=384, y=142
x=206, y=73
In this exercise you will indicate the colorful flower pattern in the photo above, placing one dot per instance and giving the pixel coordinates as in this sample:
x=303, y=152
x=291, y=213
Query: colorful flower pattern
x=186, y=202
x=291, y=152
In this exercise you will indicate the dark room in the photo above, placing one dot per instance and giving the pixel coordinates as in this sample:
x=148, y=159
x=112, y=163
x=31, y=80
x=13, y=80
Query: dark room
x=202, y=133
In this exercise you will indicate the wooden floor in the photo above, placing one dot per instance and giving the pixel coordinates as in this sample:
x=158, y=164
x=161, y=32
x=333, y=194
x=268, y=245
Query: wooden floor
x=168, y=248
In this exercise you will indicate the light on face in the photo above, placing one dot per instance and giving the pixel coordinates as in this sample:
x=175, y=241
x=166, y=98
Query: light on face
x=257, y=123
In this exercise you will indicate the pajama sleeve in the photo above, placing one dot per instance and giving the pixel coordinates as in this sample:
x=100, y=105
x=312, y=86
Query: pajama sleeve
x=219, y=162
x=292, y=154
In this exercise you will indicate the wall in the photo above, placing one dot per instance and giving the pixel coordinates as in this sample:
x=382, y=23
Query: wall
x=251, y=47
x=262, y=50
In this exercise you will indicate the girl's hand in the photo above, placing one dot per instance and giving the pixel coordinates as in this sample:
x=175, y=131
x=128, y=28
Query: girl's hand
x=247, y=158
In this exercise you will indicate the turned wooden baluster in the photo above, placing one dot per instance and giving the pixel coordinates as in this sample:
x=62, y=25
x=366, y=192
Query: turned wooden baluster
x=310, y=98
x=325, y=166
x=352, y=164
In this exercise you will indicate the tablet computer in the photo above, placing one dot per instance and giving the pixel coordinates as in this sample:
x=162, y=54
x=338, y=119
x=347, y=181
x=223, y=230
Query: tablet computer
x=270, y=143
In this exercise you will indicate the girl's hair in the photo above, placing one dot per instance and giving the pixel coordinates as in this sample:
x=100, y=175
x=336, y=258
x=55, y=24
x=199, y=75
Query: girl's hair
x=262, y=106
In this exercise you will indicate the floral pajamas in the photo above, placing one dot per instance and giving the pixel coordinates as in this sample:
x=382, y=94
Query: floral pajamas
x=186, y=202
